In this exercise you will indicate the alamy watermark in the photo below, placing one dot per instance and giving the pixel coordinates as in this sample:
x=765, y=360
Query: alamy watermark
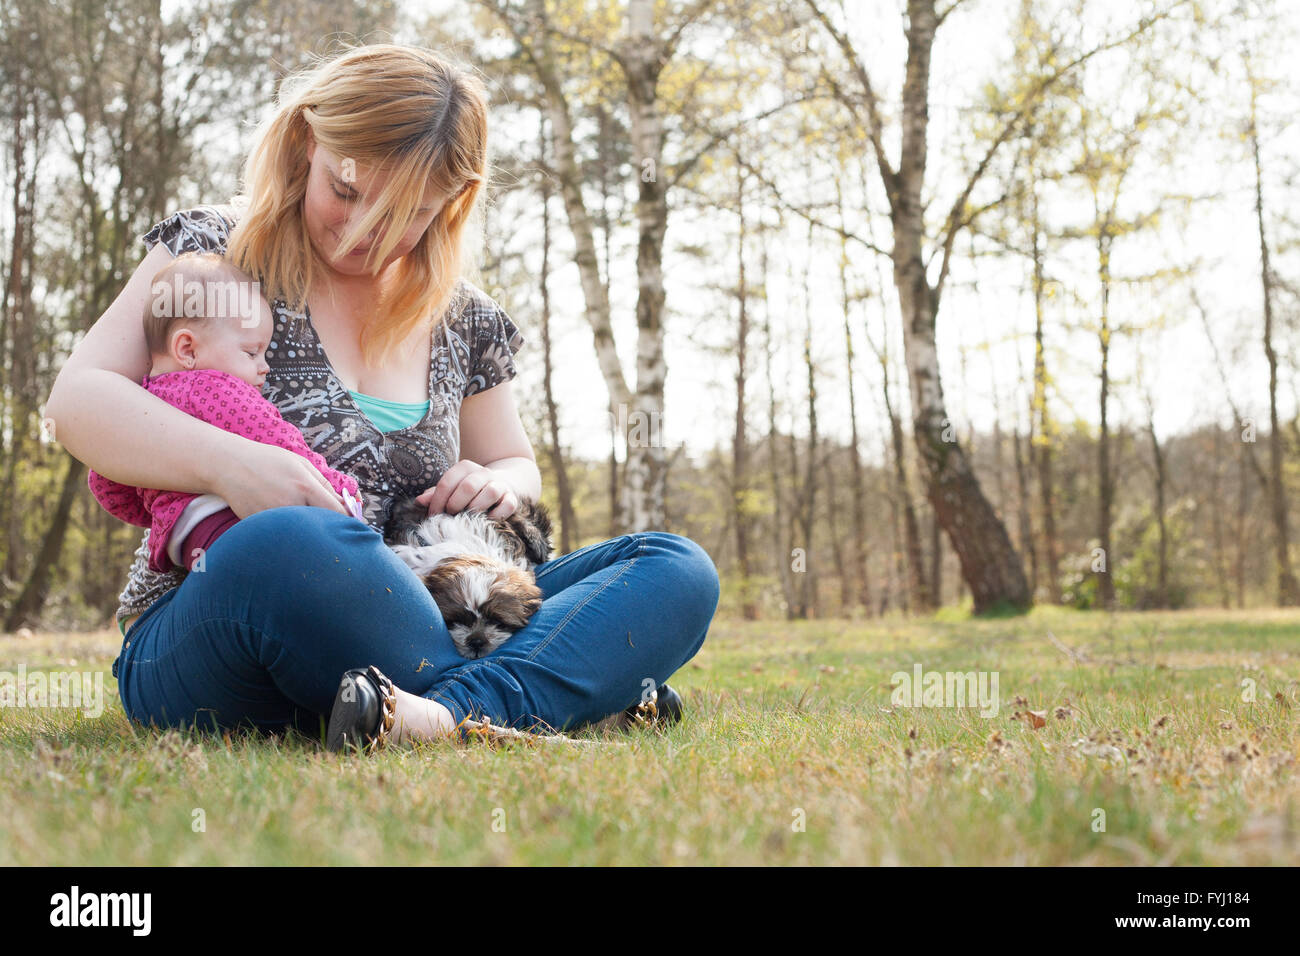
x=75, y=908
x=209, y=298
x=946, y=689
x=83, y=689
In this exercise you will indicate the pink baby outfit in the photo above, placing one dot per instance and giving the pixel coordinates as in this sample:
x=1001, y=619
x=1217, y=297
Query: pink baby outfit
x=230, y=403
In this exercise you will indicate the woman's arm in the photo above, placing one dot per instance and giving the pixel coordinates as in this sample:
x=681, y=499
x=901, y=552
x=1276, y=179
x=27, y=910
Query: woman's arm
x=495, y=457
x=99, y=412
x=492, y=434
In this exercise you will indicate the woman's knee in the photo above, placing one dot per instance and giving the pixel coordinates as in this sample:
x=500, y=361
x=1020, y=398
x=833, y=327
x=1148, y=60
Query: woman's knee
x=694, y=576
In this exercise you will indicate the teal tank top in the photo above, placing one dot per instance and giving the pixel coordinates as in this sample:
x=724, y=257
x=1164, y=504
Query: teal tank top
x=390, y=416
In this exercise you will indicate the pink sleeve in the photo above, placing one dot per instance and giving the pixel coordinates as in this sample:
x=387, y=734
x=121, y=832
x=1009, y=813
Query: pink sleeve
x=228, y=402
x=144, y=507
x=119, y=500
x=215, y=397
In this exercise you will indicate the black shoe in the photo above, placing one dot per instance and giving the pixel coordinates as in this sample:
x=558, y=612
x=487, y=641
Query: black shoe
x=363, y=711
x=670, y=705
x=664, y=708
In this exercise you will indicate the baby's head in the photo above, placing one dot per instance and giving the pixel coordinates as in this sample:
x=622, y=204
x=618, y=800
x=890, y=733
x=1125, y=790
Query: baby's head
x=206, y=314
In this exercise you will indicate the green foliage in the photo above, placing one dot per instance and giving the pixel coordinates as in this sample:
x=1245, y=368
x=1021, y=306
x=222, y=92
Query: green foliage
x=1136, y=565
x=764, y=589
x=1137, y=579
x=1079, y=588
x=1001, y=610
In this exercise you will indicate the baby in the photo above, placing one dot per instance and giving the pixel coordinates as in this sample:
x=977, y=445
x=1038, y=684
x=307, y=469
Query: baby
x=207, y=328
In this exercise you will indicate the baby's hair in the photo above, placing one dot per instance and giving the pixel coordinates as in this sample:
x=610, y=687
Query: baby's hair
x=200, y=290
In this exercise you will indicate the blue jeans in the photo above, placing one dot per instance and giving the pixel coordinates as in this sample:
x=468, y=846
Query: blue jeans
x=291, y=597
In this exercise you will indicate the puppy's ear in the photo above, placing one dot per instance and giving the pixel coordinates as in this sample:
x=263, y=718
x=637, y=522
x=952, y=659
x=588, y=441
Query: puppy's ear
x=532, y=524
x=405, y=516
x=512, y=599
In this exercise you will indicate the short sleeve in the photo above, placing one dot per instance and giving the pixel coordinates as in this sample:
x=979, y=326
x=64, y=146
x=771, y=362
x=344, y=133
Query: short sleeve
x=201, y=229
x=496, y=340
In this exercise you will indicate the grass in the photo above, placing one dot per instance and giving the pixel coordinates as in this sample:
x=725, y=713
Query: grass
x=790, y=724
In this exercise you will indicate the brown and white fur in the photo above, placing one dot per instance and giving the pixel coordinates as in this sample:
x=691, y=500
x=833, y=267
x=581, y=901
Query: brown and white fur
x=479, y=570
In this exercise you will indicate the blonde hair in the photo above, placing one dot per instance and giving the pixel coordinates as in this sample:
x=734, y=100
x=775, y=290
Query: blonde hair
x=401, y=109
x=201, y=291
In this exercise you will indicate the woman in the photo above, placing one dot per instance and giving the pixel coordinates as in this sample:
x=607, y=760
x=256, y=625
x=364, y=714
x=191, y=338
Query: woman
x=397, y=372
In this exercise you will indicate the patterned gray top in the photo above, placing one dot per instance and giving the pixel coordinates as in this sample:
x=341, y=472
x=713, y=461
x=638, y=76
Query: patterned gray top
x=472, y=354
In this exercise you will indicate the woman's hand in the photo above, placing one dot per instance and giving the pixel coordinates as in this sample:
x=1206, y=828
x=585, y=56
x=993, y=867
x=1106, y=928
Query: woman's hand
x=469, y=486
x=267, y=476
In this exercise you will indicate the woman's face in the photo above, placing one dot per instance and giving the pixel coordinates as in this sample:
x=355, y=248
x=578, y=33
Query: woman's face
x=338, y=195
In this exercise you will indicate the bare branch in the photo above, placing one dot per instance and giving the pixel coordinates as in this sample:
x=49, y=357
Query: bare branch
x=1031, y=101
x=693, y=13
x=807, y=216
x=512, y=18
x=951, y=7
x=681, y=168
x=875, y=125
x=966, y=221
x=1236, y=412
x=588, y=42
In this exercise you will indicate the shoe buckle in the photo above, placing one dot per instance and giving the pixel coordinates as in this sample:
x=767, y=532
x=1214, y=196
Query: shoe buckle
x=387, y=709
x=647, y=712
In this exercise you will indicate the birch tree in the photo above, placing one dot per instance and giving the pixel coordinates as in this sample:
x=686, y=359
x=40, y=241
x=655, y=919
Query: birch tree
x=640, y=45
x=990, y=564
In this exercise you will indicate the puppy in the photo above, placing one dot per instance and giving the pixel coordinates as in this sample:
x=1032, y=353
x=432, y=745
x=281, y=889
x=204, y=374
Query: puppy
x=478, y=569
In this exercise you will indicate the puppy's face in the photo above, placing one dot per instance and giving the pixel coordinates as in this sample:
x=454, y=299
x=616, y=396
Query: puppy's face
x=482, y=602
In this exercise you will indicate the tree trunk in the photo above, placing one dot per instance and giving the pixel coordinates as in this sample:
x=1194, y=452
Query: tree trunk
x=835, y=527
x=808, y=601
x=615, y=513
x=999, y=453
x=1216, y=520
x=1243, y=496
x=799, y=606
x=1024, y=517
x=989, y=563
x=1158, y=459
x=856, y=572
x=18, y=318
x=568, y=517
x=646, y=481
x=779, y=538
x=899, y=582
x=742, y=512
x=27, y=607
x=1046, y=431
x=936, y=562
x=918, y=588
x=1105, y=485
x=1288, y=589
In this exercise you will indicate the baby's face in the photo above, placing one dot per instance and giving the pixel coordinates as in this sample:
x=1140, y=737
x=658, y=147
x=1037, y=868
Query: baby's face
x=238, y=345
